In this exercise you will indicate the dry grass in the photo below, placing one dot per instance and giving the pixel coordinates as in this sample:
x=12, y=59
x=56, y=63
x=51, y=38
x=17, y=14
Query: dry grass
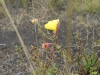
x=86, y=5
x=40, y=10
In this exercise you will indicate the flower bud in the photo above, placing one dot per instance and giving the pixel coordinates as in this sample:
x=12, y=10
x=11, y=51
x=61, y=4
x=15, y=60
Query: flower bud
x=35, y=21
x=46, y=45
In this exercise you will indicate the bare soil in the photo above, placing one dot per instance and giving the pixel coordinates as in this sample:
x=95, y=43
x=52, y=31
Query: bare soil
x=10, y=62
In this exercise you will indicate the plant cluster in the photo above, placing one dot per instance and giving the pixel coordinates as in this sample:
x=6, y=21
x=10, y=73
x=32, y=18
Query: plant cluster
x=83, y=62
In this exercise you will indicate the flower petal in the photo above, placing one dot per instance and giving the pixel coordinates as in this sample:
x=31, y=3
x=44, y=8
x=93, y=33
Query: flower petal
x=52, y=25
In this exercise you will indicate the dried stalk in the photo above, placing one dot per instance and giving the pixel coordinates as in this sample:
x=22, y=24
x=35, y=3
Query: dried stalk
x=20, y=39
x=69, y=35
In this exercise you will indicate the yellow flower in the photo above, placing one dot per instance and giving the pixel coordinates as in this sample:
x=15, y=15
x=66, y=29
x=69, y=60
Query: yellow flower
x=52, y=25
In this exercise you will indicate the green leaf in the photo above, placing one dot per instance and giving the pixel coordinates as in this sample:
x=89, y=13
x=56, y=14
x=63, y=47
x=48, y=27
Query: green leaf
x=93, y=59
x=84, y=61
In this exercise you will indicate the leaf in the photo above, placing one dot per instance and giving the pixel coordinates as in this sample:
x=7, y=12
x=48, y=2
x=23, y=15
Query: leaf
x=98, y=63
x=58, y=47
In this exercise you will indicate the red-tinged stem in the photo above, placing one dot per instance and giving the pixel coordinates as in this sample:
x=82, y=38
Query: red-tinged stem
x=48, y=64
x=56, y=33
